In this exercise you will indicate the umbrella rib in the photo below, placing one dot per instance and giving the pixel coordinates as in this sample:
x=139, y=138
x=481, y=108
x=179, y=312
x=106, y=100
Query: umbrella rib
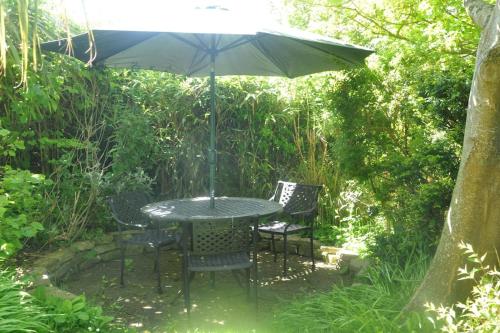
x=268, y=55
x=187, y=41
x=240, y=41
x=202, y=42
x=197, y=69
x=195, y=63
x=219, y=38
x=345, y=60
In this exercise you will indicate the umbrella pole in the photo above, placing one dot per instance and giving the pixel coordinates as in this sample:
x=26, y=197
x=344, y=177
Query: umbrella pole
x=212, y=153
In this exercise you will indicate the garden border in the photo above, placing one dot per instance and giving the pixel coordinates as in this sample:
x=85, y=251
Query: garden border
x=52, y=268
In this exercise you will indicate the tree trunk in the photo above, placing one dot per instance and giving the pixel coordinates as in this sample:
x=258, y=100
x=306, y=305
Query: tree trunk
x=474, y=213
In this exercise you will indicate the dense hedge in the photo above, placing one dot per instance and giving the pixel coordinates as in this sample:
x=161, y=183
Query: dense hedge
x=384, y=139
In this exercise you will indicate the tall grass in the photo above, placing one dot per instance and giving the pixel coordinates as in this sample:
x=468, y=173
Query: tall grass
x=372, y=306
x=18, y=313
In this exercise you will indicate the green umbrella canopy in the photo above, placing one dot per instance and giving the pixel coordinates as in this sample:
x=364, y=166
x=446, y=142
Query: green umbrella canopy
x=212, y=41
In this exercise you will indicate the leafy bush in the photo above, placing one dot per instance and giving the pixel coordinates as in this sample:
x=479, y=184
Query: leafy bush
x=73, y=315
x=135, y=146
x=372, y=307
x=43, y=313
x=481, y=311
x=357, y=221
x=18, y=311
x=21, y=208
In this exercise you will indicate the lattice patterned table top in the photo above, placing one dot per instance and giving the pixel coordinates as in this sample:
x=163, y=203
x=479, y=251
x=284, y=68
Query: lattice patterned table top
x=198, y=209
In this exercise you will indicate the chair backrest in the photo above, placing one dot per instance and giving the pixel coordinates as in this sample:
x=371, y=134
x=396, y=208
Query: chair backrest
x=216, y=237
x=296, y=197
x=126, y=208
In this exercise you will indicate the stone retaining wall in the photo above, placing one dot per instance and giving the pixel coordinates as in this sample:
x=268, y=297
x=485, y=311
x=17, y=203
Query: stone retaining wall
x=54, y=267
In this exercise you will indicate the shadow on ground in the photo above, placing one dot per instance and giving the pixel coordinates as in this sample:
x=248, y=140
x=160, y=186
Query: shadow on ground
x=223, y=308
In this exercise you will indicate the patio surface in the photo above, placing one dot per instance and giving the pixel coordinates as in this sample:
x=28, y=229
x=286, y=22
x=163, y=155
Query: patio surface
x=224, y=308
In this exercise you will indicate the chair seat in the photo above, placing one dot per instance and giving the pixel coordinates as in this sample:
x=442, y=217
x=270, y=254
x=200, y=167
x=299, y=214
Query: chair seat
x=219, y=262
x=153, y=238
x=278, y=227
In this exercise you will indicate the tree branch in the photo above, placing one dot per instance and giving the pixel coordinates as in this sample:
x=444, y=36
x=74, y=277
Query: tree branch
x=377, y=24
x=479, y=11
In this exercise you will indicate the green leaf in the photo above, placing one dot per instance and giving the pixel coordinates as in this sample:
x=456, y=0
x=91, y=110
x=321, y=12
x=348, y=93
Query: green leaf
x=83, y=316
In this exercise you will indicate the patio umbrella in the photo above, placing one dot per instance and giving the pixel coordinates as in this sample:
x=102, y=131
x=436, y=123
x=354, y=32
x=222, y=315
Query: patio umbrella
x=212, y=41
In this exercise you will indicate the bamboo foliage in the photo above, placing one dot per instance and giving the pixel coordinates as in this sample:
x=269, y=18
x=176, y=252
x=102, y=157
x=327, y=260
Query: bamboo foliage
x=23, y=42
x=23, y=17
x=35, y=40
x=20, y=24
x=3, y=39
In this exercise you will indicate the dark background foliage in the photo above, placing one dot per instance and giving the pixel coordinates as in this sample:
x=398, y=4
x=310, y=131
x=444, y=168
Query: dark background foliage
x=384, y=139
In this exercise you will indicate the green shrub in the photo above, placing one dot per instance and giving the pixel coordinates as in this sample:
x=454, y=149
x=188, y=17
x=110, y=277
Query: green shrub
x=74, y=315
x=21, y=206
x=371, y=307
x=41, y=313
x=18, y=312
x=481, y=311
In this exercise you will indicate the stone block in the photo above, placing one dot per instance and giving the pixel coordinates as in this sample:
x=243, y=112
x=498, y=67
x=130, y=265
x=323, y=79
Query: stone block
x=359, y=265
x=305, y=250
x=330, y=258
x=335, y=260
x=347, y=255
x=100, y=249
x=67, y=268
x=263, y=245
x=133, y=249
x=55, y=259
x=125, y=234
x=54, y=291
x=89, y=262
x=343, y=268
x=264, y=235
x=110, y=255
x=40, y=277
x=292, y=248
x=105, y=239
x=63, y=271
x=329, y=249
x=82, y=246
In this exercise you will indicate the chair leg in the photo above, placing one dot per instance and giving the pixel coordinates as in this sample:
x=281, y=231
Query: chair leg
x=255, y=260
x=247, y=272
x=212, y=280
x=285, y=254
x=122, y=263
x=273, y=244
x=312, y=250
x=187, y=301
x=237, y=278
x=157, y=265
x=256, y=284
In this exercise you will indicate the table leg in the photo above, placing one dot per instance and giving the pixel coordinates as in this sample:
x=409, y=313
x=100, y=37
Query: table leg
x=255, y=259
x=185, y=275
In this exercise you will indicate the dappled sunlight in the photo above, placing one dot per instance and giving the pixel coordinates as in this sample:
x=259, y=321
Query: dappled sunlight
x=225, y=305
x=448, y=220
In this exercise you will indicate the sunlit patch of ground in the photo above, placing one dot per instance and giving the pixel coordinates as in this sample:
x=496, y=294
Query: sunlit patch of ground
x=223, y=308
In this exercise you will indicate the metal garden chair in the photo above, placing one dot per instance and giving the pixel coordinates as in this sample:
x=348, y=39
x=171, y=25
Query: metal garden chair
x=300, y=203
x=220, y=246
x=125, y=208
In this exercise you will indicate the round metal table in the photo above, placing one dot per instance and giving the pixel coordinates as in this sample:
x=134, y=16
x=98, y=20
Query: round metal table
x=198, y=209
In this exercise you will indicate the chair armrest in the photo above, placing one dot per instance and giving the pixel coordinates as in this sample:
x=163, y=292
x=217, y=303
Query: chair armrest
x=304, y=214
x=129, y=225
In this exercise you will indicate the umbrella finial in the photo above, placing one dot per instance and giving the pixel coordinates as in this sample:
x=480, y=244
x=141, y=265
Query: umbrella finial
x=218, y=7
